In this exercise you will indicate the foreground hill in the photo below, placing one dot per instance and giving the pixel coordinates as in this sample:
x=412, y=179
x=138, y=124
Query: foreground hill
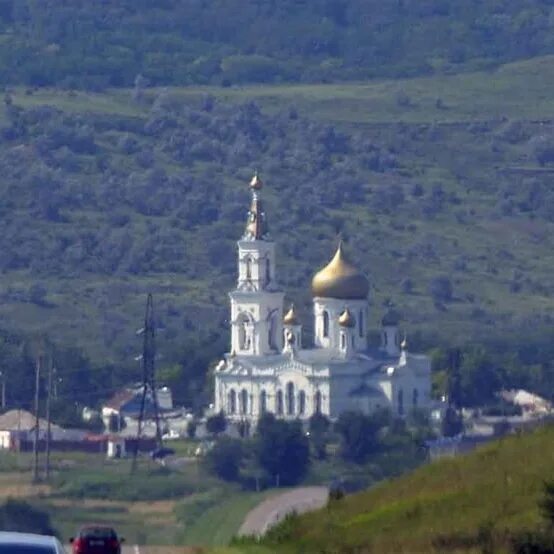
x=466, y=504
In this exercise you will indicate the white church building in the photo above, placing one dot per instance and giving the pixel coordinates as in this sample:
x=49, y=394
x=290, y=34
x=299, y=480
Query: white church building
x=269, y=370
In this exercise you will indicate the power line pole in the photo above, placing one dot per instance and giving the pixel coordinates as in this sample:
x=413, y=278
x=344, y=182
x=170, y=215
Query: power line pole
x=37, y=420
x=148, y=377
x=48, y=423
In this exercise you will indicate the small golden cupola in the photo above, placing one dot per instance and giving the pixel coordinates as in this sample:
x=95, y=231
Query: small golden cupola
x=340, y=279
x=256, y=226
x=291, y=317
x=346, y=319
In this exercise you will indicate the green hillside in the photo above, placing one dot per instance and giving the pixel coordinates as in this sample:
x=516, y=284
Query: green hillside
x=83, y=45
x=440, y=186
x=466, y=504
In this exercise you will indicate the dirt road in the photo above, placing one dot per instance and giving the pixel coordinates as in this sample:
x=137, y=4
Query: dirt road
x=273, y=510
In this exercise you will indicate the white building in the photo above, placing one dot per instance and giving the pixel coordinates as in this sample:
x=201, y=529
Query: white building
x=269, y=370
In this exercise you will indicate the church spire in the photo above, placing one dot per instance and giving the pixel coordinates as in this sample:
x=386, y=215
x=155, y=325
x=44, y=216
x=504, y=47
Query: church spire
x=256, y=226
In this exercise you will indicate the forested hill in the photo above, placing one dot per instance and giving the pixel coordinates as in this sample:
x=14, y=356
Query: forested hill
x=80, y=43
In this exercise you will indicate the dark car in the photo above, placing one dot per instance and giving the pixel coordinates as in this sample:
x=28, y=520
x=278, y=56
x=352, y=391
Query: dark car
x=96, y=539
x=27, y=543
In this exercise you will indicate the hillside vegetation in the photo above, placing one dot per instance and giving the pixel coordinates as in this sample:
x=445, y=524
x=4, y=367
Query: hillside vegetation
x=439, y=185
x=467, y=504
x=109, y=43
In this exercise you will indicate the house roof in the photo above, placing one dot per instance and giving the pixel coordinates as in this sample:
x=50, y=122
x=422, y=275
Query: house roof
x=120, y=399
x=22, y=420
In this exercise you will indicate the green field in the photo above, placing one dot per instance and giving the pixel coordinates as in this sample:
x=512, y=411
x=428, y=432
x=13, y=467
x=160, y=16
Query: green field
x=153, y=507
x=453, y=505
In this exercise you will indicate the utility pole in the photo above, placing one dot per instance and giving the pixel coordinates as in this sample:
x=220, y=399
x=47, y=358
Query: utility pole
x=3, y=377
x=48, y=424
x=37, y=420
x=148, y=377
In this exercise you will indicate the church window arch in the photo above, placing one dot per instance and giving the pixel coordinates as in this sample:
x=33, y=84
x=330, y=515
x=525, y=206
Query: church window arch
x=279, y=399
x=243, y=401
x=263, y=402
x=325, y=323
x=361, y=323
x=290, y=399
x=301, y=402
x=317, y=402
x=385, y=338
x=400, y=402
x=244, y=331
x=415, y=398
x=343, y=341
x=232, y=401
x=267, y=270
x=249, y=267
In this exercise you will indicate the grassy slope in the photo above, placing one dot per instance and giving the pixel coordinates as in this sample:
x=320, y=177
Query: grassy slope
x=156, y=518
x=496, y=487
x=519, y=91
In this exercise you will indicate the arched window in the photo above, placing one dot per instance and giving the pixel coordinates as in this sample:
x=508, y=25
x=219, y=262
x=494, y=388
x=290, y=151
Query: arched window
x=301, y=402
x=325, y=323
x=280, y=402
x=267, y=270
x=317, y=402
x=361, y=323
x=400, y=402
x=415, y=398
x=385, y=338
x=244, y=332
x=232, y=402
x=249, y=268
x=290, y=399
x=263, y=402
x=243, y=401
x=343, y=341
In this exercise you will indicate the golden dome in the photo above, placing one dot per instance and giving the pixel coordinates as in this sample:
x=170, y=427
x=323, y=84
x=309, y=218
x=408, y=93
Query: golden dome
x=290, y=317
x=346, y=319
x=340, y=279
x=256, y=182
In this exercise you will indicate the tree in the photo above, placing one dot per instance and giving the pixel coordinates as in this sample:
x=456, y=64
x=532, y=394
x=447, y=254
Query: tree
x=216, y=424
x=547, y=503
x=359, y=434
x=282, y=449
x=319, y=427
x=440, y=288
x=452, y=423
x=21, y=517
x=191, y=429
x=224, y=458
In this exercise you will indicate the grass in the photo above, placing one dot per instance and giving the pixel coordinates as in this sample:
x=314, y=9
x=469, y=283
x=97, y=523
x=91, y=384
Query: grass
x=453, y=502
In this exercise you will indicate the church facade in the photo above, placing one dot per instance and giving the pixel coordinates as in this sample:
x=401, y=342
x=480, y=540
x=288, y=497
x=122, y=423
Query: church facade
x=268, y=370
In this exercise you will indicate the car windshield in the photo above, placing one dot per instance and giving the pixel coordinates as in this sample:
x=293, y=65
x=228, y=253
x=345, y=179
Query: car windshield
x=98, y=533
x=26, y=549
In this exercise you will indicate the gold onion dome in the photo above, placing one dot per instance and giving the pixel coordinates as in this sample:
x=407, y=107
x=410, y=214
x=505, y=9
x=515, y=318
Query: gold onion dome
x=290, y=317
x=340, y=279
x=346, y=319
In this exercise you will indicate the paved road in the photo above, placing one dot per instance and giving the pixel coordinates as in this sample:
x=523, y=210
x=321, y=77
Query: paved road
x=273, y=510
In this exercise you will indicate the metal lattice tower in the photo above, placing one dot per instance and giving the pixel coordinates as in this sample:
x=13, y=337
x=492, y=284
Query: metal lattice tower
x=148, y=377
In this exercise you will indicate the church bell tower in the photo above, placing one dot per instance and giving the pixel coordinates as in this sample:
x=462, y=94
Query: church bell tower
x=257, y=301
